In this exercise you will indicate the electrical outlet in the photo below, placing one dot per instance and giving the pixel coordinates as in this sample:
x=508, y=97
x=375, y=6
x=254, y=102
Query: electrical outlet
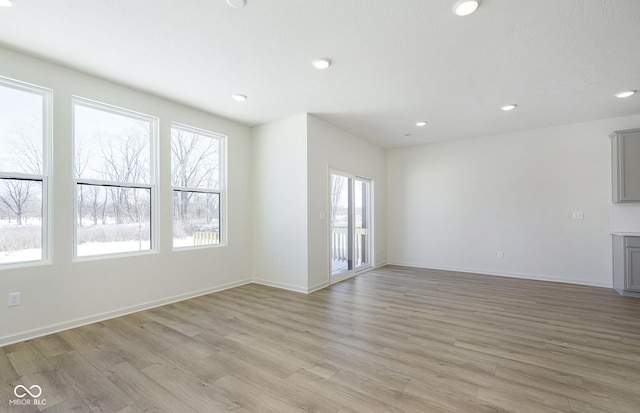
x=14, y=299
x=500, y=254
x=280, y=262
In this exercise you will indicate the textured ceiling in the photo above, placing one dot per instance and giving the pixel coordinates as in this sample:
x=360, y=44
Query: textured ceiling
x=395, y=61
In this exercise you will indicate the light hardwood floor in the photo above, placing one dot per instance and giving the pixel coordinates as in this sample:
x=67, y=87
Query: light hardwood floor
x=390, y=340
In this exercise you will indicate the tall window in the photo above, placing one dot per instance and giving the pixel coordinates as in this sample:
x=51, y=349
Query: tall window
x=114, y=167
x=197, y=179
x=25, y=136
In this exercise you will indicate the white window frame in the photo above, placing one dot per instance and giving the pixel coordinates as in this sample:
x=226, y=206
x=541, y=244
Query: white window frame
x=45, y=178
x=221, y=191
x=152, y=186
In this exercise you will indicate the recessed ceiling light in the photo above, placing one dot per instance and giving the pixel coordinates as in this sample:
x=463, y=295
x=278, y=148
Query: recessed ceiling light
x=465, y=7
x=239, y=98
x=626, y=93
x=321, y=63
x=7, y=3
x=238, y=4
x=509, y=107
x=421, y=123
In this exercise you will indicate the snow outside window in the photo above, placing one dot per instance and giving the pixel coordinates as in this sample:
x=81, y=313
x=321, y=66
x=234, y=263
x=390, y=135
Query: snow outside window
x=114, y=164
x=197, y=179
x=25, y=139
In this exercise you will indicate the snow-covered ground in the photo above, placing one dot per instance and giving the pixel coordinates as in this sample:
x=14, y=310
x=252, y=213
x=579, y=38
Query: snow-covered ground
x=84, y=250
x=26, y=222
x=8, y=257
x=102, y=248
x=90, y=249
x=183, y=242
x=28, y=234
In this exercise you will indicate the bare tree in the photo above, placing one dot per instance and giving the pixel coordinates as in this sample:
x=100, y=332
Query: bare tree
x=125, y=162
x=337, y=183
x=191, y=168
x=29, y=154
x=96, y=204
x=16, y=194
x=80, y=165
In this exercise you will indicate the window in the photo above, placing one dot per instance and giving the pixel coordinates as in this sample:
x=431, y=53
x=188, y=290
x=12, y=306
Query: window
x=25, y=135
x=114, y=164
x=197, y=179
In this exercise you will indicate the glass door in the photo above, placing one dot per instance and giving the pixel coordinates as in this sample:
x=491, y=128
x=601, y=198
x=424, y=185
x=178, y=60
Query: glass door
x=350, y=229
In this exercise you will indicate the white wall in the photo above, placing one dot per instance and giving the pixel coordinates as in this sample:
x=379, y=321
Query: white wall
x=67, y=293
x=449, y=205
x=291, y=162
x=280, y=203
x=332, y=147
x=454, y=205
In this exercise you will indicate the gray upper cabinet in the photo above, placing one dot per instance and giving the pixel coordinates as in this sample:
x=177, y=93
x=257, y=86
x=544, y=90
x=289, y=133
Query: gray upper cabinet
x=625, y=151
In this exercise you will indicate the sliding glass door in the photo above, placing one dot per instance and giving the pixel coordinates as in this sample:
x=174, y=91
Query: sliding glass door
x=350, y=226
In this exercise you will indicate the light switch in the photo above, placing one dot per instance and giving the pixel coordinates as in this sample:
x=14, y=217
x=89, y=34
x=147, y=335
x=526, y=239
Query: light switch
x=322, y=216
x=577, y=215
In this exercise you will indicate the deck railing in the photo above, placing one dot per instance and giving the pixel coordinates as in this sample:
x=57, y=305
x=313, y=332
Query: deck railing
x=206, y=238
x=340, y=244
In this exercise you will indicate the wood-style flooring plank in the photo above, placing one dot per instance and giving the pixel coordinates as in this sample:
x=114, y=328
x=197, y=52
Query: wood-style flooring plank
x=147, y=393
x=193, y=392
x=94, y=388
x=394, y=339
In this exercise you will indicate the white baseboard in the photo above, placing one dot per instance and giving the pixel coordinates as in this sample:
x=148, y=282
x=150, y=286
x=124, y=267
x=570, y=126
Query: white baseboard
x=79, y=322
x=317, y=287
x=281, y=285
x=536, y=277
